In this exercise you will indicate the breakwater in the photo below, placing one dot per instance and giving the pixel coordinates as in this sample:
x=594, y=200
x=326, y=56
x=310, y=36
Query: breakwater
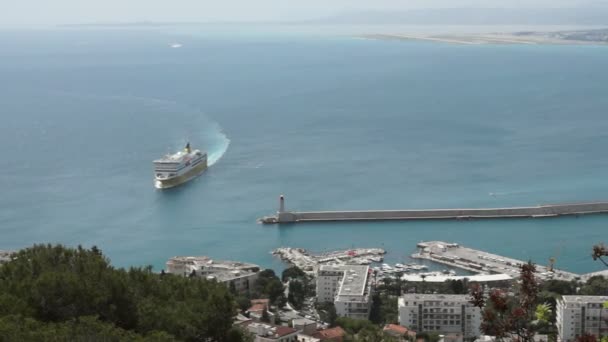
x=548, y=210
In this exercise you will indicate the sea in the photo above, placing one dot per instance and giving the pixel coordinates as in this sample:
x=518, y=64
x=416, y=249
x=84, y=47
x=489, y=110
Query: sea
x=329, y=120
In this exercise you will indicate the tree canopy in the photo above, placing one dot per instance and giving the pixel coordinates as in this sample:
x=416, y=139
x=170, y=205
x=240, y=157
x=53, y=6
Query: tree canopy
x=75, y=294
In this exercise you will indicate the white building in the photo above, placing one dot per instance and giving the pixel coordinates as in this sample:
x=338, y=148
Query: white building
x=271, y=333
x=240, y=276
x=577, y=315
x=440, y=313
x=348, y=287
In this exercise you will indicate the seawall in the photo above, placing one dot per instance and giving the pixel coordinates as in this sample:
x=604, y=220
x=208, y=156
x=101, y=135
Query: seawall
x=549, y=210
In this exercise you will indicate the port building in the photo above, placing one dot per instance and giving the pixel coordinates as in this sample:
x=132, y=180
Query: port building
x=579, y=315
x=440, y=313
x=348, y=287
x=236, y=275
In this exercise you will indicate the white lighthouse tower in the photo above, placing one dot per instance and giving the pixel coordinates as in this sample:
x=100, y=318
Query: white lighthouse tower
x=281, y=204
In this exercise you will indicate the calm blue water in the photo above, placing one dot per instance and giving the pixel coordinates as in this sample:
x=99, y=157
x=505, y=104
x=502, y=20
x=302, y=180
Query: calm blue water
x=331, y=122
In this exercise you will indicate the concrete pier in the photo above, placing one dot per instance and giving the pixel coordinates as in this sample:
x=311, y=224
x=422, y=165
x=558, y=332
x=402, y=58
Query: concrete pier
x=548, y=210
x=455, y=255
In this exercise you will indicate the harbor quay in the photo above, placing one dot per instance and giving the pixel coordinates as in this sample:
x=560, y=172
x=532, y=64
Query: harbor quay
x=455, y=255
x=540, y=211
x=309, y=262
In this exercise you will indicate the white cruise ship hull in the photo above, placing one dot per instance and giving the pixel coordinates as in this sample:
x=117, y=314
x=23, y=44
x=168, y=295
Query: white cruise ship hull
x=181, y=179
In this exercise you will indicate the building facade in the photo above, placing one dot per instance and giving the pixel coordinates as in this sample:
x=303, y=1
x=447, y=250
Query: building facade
x=348, y=287
x=238, y=276
x=578, y=315
x=440, y=313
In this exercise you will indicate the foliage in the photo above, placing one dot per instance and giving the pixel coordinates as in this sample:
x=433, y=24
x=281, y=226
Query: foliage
x=595, y=286
x=270, y=286
x=560, y=287
x=397, y=286
x=297, y=294
x=85, y=328
x=503, y=315
x=600, y=251
x=327, y=312
x=76, y=291
x=361, y=330
x=586, y=337
x=243, y=303
x=543, y=312
x=293, y=272
x=384, y=309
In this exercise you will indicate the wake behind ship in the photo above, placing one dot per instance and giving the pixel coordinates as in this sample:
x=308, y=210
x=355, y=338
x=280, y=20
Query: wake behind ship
x=178, y=168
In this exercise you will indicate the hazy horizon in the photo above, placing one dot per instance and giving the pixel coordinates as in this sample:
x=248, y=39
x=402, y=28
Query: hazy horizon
x=30, y=13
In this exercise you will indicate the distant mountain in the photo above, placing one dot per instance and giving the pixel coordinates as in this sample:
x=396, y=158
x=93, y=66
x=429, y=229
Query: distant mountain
x=475, y=16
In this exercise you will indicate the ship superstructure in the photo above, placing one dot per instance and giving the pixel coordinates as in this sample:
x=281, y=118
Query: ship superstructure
x=178, y=168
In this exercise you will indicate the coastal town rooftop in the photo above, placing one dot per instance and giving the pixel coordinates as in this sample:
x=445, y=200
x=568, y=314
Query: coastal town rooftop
x=354, y=280
x=584, y=299
x=220, y=270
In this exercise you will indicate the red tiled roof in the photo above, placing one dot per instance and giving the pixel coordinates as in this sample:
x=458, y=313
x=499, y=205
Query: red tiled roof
x=282, y=331
x=258, y=305
x=329, y=334
x=396, y=328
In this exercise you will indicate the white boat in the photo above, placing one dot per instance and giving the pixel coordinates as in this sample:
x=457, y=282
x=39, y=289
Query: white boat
x=363, y=262
x=417, y=267
x=178, y=168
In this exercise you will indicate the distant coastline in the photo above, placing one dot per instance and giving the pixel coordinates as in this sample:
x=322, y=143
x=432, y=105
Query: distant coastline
x=578, y=37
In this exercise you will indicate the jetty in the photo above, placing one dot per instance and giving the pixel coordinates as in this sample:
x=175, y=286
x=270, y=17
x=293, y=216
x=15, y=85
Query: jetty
x=540, y=211
x=476, y=261
x=308, y=262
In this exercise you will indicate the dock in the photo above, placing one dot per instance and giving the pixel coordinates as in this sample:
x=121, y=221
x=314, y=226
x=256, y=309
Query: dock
x=455, y=255
x=308, y=262
x=540, y=211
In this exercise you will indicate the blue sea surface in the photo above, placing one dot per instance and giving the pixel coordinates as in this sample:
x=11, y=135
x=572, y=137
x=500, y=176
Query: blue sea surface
x=331, y=122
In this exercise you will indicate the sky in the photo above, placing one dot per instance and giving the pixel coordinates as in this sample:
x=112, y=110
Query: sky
x=20, y=13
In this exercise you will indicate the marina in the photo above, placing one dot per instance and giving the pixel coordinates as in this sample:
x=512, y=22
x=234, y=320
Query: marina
x=480, y=262
x=308, y=262
x=541, y=211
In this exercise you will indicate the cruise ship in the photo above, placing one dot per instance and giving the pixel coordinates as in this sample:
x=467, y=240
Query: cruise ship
x=178, y=168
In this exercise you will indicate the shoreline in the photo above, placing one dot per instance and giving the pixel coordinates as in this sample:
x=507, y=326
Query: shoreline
x=523, y=38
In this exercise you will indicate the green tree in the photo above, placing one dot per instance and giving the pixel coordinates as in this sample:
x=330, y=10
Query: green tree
x=327, y=312
x=46, y=288
x=595, y=286
x=503, y=315
x=297, y=294
x=293, y=272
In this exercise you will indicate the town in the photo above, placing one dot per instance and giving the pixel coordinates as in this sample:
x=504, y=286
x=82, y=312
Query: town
x=325, y=297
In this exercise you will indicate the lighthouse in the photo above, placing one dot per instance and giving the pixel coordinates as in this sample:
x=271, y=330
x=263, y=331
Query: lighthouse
x=281, y=204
